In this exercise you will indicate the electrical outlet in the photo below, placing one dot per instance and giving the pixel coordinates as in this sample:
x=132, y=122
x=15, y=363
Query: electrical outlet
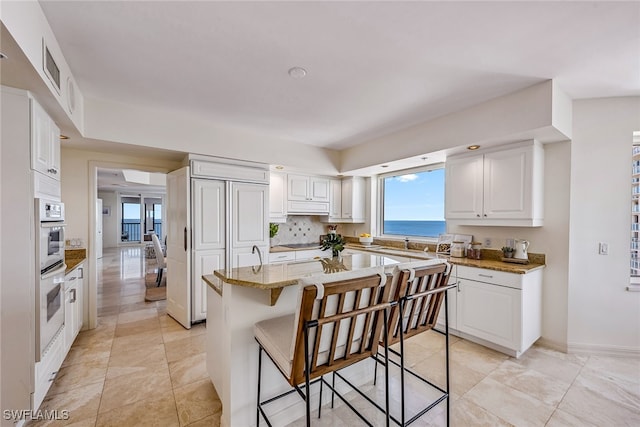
x=603, y=248
x=487, y=242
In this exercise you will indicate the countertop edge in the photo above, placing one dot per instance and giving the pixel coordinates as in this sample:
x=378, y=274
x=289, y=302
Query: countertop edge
x=73, y=263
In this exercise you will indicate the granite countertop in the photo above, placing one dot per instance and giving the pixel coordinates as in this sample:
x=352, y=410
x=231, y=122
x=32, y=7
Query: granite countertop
x=73, y=257
x=274, y=277
x=492, y=259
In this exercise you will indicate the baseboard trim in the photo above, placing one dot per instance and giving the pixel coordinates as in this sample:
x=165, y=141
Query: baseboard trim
x=603, y=350
x=553, y=345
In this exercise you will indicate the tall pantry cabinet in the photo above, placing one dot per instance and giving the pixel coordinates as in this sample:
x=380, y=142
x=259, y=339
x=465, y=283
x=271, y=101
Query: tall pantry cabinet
x=30, y=140
x=216, y=214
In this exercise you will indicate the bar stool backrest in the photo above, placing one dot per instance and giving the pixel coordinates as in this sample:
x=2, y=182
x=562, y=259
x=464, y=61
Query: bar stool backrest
x=348, y=308
x=419, y=312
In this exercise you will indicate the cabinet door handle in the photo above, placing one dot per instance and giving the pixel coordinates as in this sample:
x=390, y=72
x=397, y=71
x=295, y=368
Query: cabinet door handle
x=459, y=286
x=488, y=276
x=73, y=291
x=185, y=239
x=478, y=215
x=81, y=271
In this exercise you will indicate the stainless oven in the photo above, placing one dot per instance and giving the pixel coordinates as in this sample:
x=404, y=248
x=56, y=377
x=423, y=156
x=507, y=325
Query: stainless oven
x=50, y=225
x=51, y=268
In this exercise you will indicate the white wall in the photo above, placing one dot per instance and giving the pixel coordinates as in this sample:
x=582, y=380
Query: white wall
x=110, y=229
x=78, y=182
x=603, y=316
x=552, y=240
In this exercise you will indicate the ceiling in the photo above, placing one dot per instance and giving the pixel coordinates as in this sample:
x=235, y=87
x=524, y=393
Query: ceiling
x=372, y=67
x=115, y=180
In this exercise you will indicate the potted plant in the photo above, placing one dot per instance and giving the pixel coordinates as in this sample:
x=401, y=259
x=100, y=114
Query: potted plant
x=273, y=230
x=335, y=242
x=508, y=251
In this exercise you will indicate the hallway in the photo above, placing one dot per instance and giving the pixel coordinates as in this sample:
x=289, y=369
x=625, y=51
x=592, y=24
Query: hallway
x=138, y=367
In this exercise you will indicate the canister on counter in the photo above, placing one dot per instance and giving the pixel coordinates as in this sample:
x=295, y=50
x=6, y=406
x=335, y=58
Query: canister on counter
x=457, y=249
x=475, y=250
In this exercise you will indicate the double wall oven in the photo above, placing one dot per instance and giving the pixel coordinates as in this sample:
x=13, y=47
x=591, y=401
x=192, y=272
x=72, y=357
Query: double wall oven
x=50, y=261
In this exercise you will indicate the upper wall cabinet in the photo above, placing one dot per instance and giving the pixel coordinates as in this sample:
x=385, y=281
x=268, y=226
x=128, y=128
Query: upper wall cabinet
x=45, y=142
x=277, y=197
x=499, y=187
x=347, y=200
x=307, y=194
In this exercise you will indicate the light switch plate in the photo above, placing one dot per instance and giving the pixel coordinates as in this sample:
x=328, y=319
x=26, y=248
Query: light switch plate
x=487, y=242
x=603, y=248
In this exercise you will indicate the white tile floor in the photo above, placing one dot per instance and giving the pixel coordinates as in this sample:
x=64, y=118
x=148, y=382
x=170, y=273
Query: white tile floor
x=139, y=367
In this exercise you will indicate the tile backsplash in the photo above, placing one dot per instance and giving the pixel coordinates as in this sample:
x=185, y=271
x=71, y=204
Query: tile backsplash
x=300, y=229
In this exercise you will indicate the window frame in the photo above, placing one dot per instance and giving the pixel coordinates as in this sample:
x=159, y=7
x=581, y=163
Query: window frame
x=380, y=204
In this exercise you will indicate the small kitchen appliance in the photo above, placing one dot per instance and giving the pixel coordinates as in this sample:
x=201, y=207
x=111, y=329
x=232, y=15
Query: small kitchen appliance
x=521, y=249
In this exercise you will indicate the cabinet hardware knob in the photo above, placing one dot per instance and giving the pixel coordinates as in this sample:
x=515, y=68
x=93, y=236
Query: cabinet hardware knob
x=485, y=215
x=478, y=215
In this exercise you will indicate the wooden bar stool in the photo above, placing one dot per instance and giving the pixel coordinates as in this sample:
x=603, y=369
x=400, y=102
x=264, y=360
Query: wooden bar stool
x=418, y=290
x=339, y=321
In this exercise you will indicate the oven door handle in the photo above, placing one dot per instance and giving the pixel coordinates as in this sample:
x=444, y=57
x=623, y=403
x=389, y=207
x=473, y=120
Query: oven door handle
x=52, y=224
x=60, y=270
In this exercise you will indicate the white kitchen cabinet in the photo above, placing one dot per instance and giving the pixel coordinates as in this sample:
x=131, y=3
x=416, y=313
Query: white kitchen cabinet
x=278, y=197
x=312, y=253
x=204, y=262
x=452, y=301
x=347, y=200
x=208, y=214
x=307, y=194
x=279, y=257
x=501, y=310
x=47, y=369
x=249, y=215
x=73, y=310
x=45, y=142
x=308, y=188
x=500, y=187
x=211, y=224
x=335, y=199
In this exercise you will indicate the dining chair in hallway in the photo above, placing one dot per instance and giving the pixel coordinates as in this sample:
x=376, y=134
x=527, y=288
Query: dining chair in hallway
x=160, y=260
x=339, y=321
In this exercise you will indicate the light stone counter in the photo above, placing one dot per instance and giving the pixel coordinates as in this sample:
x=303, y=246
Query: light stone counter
x=275, y=277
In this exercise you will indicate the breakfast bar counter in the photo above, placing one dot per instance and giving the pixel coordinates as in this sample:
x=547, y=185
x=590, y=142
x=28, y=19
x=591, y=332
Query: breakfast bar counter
x=235, y=302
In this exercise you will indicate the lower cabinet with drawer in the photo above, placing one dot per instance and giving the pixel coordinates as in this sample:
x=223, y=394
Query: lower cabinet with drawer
x=497, y=309
x=73, y=305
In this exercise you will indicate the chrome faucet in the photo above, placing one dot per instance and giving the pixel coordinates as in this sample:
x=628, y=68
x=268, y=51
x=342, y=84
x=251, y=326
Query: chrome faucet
x=406, y=243
x=253, y=267
x=253, y=251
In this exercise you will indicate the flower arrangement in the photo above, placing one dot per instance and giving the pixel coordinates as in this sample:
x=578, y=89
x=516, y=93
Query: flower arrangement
x=332, y=228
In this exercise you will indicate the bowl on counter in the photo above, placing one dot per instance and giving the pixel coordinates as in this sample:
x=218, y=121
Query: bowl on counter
x=366, y=241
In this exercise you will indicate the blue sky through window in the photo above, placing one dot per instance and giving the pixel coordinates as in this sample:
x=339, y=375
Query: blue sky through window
x=415, y=196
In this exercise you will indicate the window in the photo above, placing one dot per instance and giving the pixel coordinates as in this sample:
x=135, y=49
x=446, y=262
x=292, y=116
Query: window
x=413, y=202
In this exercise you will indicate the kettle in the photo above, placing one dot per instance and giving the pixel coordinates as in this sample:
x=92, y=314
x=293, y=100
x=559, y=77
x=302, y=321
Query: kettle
x=521, y=249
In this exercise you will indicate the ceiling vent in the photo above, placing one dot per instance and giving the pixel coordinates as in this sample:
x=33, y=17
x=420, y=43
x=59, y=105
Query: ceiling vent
x=50, y=67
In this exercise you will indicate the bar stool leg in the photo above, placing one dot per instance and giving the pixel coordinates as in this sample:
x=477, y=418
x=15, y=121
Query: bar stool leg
x=259, y=379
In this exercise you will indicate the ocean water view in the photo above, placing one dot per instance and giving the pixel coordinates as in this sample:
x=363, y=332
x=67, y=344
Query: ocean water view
x=415, y=228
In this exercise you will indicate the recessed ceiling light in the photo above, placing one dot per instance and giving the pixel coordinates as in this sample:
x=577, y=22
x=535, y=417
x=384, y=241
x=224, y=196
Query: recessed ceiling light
x=279, y=167
x=297, y=72
x=473, y=147
x=63, y=136
x=384, y=166
x=3, y=56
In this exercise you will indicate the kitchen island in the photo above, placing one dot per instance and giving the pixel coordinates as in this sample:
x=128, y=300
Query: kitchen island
x=241, y=297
